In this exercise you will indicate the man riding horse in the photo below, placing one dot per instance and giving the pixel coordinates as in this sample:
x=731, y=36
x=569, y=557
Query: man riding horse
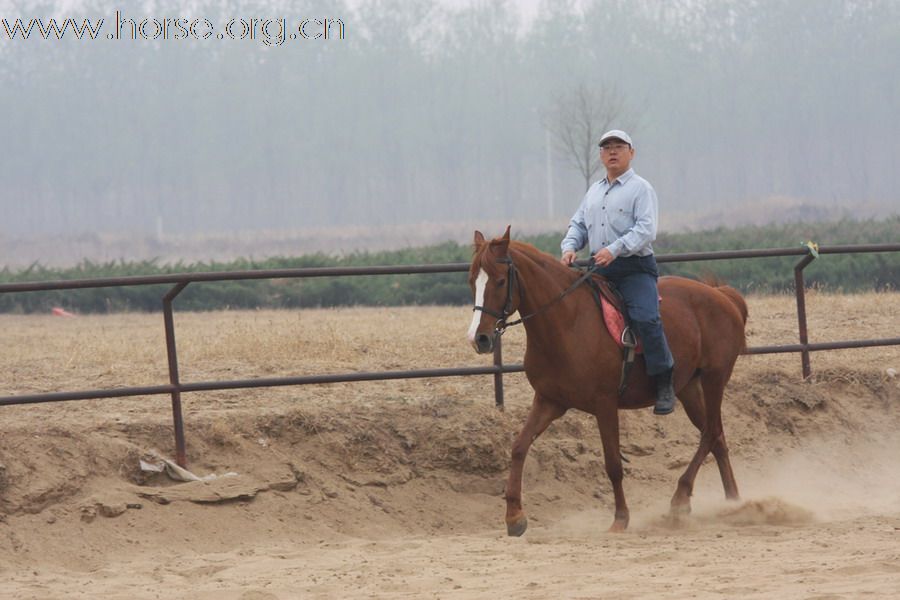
x=618, y=219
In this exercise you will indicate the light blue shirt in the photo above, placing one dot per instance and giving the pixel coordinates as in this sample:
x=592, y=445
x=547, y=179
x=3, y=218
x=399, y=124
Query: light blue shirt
x=621, y=217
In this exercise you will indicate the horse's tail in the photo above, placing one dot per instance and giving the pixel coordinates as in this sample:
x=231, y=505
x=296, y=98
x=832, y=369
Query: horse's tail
x=733, y=295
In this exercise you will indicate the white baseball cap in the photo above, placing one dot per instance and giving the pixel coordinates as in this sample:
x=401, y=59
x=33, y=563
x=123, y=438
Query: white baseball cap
x=616, y=134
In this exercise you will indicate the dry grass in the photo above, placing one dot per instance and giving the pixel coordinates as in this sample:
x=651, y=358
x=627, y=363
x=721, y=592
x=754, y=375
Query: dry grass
x=45, y=353
x=830, y=317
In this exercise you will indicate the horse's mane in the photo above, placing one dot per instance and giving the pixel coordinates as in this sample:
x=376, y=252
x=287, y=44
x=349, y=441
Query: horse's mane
x=485, y=259
x=544, y=260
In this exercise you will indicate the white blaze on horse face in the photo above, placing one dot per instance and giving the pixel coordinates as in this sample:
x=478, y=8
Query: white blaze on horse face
x=480, y=284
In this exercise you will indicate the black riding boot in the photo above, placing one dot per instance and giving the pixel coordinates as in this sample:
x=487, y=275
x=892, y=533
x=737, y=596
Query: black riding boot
x=665, y=394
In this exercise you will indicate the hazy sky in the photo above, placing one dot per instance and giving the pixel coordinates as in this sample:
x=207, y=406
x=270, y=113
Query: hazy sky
x=742, y=111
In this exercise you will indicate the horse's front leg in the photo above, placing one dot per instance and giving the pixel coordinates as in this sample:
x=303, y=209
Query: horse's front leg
x=543, y=412
x=608, y=422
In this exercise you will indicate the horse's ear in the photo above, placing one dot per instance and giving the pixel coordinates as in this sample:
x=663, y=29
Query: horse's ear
x=479, y=238
x=501, y=246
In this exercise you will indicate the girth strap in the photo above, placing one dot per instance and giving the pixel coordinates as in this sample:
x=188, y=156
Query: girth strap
x=629, y=343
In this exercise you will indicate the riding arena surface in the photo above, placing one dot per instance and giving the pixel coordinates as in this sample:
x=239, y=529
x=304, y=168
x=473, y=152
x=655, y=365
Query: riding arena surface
x=395, y=489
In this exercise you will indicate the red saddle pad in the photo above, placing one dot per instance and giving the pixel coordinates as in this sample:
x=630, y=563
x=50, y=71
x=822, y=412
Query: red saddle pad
x=615, y=323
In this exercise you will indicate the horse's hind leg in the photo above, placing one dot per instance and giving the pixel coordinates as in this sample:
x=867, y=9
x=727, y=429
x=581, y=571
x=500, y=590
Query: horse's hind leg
x=691, y=397
x=542, y=414
x=717, y=433
x=703, y=404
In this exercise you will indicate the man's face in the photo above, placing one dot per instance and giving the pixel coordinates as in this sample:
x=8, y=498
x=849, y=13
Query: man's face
x=616, y=155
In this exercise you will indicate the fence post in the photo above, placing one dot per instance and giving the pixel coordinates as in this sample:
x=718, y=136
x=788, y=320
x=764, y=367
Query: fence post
x=498, y=375
x=800, y=291
x=178, y=420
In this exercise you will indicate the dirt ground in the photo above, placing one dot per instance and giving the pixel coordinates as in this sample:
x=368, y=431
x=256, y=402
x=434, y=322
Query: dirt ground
x=394, y=489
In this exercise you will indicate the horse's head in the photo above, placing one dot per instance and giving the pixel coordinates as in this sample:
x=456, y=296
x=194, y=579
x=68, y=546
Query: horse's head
x=494, y=283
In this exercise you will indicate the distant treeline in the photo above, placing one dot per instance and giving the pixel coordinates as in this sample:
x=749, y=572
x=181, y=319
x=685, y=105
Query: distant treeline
x=856, y=272
x=439, y=111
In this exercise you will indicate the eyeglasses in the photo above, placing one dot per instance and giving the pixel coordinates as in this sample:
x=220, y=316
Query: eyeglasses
x=613, y=147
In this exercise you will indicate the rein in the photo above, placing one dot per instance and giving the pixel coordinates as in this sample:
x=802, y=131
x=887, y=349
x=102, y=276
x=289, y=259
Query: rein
x=513, y=280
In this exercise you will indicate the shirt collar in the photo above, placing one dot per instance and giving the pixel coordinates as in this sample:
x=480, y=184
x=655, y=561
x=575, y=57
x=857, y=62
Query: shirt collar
x=623, y=178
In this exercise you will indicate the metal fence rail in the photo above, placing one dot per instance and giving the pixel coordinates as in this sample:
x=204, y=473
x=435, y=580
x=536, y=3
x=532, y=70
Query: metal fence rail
x=176, y=387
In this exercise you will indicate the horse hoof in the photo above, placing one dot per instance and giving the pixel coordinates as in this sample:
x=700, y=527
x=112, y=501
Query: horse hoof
x=517, y=528
x=680, y=510
x=618, y=526
x=677, y=517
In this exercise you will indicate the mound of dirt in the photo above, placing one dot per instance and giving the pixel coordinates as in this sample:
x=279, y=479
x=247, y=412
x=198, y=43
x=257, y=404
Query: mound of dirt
x=330, y=468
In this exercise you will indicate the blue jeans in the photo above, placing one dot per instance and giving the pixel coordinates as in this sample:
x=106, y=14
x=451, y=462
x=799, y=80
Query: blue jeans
x=635, y=278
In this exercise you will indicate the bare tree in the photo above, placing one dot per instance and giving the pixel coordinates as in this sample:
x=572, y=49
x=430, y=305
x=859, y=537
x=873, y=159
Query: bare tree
x=578, y=118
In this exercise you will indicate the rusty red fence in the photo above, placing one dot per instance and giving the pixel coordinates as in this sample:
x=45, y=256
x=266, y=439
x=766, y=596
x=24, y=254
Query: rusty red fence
x=175, y=387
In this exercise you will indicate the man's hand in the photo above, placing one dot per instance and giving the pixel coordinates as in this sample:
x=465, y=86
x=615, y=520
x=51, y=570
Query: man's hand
x=568, y=258
x=603, y=258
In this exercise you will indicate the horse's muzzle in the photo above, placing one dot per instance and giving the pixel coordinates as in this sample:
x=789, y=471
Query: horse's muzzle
x=484, y=343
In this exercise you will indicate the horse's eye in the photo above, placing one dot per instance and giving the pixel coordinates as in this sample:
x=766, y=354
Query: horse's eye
x=501, y=282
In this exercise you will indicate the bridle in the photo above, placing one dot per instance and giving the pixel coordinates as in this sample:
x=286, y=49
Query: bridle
x=512, y=279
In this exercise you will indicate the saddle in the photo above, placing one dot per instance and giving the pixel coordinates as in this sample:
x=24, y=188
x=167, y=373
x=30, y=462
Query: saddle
x=612, y=307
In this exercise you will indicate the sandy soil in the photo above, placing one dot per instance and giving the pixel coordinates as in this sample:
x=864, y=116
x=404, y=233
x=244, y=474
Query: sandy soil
x=394, y=489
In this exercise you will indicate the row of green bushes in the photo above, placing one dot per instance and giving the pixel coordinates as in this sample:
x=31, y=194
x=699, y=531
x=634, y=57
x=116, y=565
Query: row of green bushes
x=835, y=272
x=857, y=272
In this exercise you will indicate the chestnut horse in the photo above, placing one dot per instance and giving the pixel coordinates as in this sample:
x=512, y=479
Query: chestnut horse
x=572, y=361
